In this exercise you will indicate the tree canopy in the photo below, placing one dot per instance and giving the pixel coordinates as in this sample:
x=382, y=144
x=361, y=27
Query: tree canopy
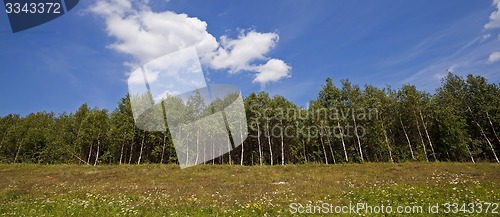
x=459, y=122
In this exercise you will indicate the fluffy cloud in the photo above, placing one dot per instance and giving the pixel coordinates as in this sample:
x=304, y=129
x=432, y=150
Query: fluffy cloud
x=119, y=7
x=273, y=70
x=494, y=57
x=137, y=78
x=494, y=17
x=237, y=54
x=145, y=35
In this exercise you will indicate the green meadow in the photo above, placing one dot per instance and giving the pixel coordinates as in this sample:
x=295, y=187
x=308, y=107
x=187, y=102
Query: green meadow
x=230, y=190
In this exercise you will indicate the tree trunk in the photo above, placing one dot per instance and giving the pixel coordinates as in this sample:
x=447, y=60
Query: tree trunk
x=357, y=136
x=229, y=151
x=343, y=142
x=428, y=137
x=282, y=144
x=387, y=141
x=187, y=148
x=330, y=145
x=18, y=150
x=97, y=153
x=142, y=146
x=492, y=127
x=171, y=152
x=121, y=153
x=407, y=138
x=421, y=137
x=242, y=147
x=213, y=148
x=305, y=150
x=197, y=146
x=221, y=158
x=260, y=146
x=471, y=157
x=489, y=143
x=3, y=139
x=81, y=160
x=269, y=141
x=323, y=145
x=163, y=149
x=131, y=152
x=484, y=135
x=204, y=152
x=90, y=153
x=131, y=148
x=252, y=157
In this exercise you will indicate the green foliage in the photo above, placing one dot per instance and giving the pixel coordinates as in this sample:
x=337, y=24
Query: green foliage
x=344, y=124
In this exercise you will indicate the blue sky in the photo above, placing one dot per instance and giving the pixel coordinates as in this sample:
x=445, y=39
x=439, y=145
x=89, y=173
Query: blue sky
x=82, y=57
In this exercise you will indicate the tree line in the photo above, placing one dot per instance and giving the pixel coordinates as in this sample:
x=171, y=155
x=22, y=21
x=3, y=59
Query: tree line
x=460, y=122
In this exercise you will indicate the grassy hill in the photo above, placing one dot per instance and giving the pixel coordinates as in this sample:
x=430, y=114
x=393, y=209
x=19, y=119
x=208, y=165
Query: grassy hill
x=209, y=190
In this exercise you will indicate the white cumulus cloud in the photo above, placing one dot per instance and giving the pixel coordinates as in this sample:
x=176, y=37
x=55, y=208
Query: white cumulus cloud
x=273, y=70
x=494, y=57
x=237, y=54
x=144, y=34
x=494, y=17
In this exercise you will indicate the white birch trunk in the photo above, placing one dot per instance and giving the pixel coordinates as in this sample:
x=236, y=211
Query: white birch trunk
x=323, y=145
x=229, y=150
x=242, y=147
x=343, y=142
x=260, y=145
x=387, y=142
x=282, y=144
x=407, y=138
x=484, y=135
x=330, y=145
x=197, y=146
x=142, y=146
x=428, y=137
x=357, y=136
x=90, y=154
x=269, y=141
x=492, y=127
x=421, y=137
x=97, y=153
x=121, y=153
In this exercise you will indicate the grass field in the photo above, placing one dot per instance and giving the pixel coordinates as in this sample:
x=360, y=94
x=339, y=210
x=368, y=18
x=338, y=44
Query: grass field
x=223, y=190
